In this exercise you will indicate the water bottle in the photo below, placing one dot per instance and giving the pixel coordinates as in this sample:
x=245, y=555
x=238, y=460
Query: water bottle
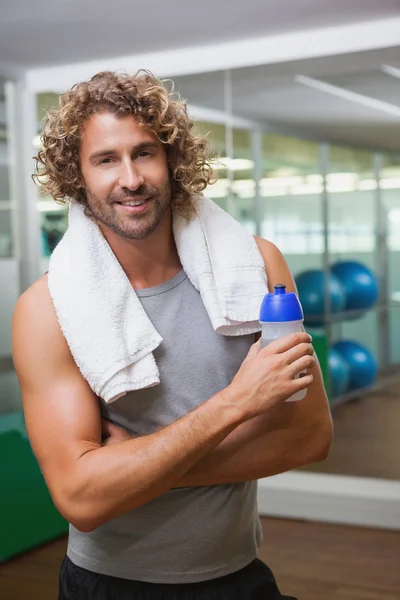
x=281, y=314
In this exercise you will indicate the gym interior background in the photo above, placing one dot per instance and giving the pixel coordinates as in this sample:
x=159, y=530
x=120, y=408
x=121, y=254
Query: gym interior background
x=301, y=104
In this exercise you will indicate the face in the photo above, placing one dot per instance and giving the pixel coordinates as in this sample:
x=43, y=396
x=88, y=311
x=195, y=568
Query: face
x=125, y=172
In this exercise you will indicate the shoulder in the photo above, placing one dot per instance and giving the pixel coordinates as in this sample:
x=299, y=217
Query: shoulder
x=276, y=266
x=267, y=248
x=35, y=327
x=271, y=254
x=34, y=302
x=36, y=290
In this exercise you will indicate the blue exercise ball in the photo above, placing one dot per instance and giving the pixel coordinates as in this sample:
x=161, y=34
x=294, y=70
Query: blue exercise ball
x=363, y=369
x=359, y=282
x=339, y=372
x=310, y=286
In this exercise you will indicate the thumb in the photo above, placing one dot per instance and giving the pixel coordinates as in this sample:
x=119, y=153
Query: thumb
x=110, y=430
x=254, y=350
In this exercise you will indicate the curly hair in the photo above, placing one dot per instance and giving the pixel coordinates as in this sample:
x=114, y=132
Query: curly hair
x=148, y=100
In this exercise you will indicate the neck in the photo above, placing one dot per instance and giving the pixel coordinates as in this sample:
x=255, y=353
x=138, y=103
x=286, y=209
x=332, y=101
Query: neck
x=148, y=262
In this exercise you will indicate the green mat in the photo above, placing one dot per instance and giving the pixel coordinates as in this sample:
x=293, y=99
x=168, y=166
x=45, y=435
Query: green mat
x=321, y=348
x=28, y=515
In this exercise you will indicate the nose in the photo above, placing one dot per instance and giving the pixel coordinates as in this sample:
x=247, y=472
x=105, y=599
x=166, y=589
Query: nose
x=130, y=177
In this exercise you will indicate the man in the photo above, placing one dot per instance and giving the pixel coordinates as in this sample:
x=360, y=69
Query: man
x=160, y=486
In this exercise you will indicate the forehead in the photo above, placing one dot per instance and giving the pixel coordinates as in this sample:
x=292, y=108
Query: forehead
x=107, y=130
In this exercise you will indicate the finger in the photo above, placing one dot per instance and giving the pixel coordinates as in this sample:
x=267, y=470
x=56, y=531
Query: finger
x=106, y=426
x=297, y=352
x=299, y=365
x=286, y=342
x=301, y=383
x=254, y=350
x=111, y=430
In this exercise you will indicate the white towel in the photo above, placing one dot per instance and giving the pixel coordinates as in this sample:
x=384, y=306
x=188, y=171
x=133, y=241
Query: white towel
x=107, y=330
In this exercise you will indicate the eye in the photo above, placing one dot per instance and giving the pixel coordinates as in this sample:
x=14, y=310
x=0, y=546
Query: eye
x=144, y=153
x=105, y=161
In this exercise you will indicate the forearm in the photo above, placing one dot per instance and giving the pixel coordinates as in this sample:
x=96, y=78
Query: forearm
x=112, y=480
x=288, y=436
x=252, y=451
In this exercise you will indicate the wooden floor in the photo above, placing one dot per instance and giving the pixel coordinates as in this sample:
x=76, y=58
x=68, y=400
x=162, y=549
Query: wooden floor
x=367, y=437
x=311, y=561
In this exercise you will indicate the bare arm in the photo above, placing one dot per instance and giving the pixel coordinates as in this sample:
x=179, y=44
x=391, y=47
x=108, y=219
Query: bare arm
x=289, y=436
x=270, y=444
x=92, y=483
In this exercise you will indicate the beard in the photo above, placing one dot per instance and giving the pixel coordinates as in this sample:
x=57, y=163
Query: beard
x=135, y=226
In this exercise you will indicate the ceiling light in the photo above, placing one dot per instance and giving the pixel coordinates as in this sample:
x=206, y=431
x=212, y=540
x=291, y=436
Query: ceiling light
x=272, y=182
x=234, y=164
x=367, y=184
x=389, y=184
x=342, y=177
x=307, y=188
x=393, y=71
x=219, y=189
x=244, y=187
x=340, y=186
x=314, y=178
x=265, y=192
x=333, y=90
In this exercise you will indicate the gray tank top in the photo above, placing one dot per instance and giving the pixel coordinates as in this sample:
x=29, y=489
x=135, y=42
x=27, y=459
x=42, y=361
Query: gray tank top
x=188, y=534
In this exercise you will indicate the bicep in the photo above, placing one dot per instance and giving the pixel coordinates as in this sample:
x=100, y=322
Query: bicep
x=61, y=412
x=276, y=267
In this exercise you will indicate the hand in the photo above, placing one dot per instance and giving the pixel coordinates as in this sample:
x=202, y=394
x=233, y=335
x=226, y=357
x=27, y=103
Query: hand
x=267, y=376
x=113, y=434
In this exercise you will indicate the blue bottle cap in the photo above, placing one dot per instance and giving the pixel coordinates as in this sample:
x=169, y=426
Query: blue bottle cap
x=280, y=306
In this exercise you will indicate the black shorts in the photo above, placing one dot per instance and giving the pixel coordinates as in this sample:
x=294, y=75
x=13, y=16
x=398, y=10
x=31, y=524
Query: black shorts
x=254, y=582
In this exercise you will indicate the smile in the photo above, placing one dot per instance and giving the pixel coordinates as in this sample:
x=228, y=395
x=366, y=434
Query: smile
x=133, y=202
x=134, y=206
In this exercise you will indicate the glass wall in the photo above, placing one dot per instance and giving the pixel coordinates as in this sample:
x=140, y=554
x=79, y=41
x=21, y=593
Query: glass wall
x=53, y=216
x=216, y=137
x=6, y=207
x=10, y=398
x=243, y=183
x=351, y=185
x=390, y=194
x=352, y=198
x=234, y=187
x=290, y=189
x=317, y=202
x=212, y=105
